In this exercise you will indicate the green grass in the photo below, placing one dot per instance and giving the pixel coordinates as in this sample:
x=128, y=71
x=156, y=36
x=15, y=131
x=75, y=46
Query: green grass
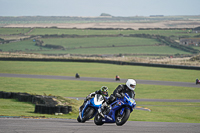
x=27, y=45
x=117, y=50
x=167, y=112
x=160, y=111
x=67, y=88
x=43, y=31
x=99, y=70
x=12, y=107
x=99, y=41
x=80, y=46
x=7, y=31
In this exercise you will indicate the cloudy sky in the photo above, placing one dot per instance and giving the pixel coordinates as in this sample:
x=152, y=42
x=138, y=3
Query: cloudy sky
x=96, y=7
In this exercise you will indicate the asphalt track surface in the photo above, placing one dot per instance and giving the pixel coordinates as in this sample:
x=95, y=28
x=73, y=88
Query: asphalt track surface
x=23, y=125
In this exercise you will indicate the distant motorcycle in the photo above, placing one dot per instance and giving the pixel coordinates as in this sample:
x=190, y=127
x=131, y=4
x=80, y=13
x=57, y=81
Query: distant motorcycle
x=77, y=75
x=118, y=112
x=197, y=81
x=117, y=78
x=90, y=108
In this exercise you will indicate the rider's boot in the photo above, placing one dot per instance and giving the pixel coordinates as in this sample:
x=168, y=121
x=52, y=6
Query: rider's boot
x=100, y=112
x=104, y=105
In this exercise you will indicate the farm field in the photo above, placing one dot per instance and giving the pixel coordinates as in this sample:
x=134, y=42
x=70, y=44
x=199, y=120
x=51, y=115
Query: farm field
x=60, y=31
x=13, y=31
x=90, y=46
x=100, y=41
x=142, y=44
x=49, y=31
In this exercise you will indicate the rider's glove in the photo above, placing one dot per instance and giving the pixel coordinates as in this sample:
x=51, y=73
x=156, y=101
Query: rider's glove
x=88, y=97
x=118, y=95
x=122, y=94
x=85, y=99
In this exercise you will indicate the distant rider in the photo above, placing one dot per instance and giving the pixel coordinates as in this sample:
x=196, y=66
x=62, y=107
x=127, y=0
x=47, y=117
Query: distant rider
x=129, y=88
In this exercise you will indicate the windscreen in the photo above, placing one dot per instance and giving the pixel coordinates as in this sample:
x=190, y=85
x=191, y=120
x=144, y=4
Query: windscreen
x=99, y=97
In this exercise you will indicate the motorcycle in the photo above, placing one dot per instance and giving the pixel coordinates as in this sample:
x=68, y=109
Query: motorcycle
x=89, y=109
x=197, y=81
x=118, y=112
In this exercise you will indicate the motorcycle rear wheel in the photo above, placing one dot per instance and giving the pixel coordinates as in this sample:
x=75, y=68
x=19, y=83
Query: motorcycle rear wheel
x=121, y=119
x=98, y=120
x=87, y=114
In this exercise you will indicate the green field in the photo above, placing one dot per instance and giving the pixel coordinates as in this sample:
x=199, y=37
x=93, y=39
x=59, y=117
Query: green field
x=50, y=31
x=27, y=45
x=99, y=70
x=99, y=41
x=160, y=111
x=8, y=31
x=94, y=44
x=67, y=88
x=106, y=45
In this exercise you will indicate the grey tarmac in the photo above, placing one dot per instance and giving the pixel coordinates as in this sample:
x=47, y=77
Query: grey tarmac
x=23, y=125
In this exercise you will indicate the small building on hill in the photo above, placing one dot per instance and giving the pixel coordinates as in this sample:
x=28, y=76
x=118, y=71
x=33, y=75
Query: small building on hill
x=196, y=30
x=190, y=41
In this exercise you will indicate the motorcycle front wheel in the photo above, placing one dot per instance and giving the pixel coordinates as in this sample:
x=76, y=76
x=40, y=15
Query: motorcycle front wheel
x=78, y=119
x=98, y=120
x=121, y=119
x=87, y=114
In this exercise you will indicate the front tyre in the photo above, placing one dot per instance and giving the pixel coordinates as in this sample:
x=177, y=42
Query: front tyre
x=87, y=114
x=121, y=119
x=98, y=120
x=78, y=119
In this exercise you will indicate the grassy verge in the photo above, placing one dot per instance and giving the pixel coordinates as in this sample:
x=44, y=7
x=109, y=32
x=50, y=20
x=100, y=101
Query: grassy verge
x=12, y=107
x=68, y=88
x=167, y=112
x=98, y=70
x=160, y=112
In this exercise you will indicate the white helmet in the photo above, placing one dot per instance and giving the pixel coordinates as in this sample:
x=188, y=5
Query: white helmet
x=131, y=83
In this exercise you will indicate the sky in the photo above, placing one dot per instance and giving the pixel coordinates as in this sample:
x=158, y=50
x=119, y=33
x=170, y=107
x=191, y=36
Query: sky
x=96, y=7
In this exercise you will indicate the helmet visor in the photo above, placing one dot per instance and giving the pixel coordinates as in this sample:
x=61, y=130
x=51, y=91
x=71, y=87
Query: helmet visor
x=133, y=86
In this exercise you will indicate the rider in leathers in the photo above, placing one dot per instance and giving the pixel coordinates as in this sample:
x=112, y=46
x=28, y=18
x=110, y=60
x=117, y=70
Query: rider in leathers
x=129, y=88
x=103, y=91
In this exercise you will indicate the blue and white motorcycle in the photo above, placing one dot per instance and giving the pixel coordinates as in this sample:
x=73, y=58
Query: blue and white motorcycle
x=118, y=112
x=89, y=109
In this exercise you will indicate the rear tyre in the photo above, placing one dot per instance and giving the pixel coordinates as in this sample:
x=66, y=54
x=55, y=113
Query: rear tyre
x=98, y=120
x=87, y=114
x=121, y=119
